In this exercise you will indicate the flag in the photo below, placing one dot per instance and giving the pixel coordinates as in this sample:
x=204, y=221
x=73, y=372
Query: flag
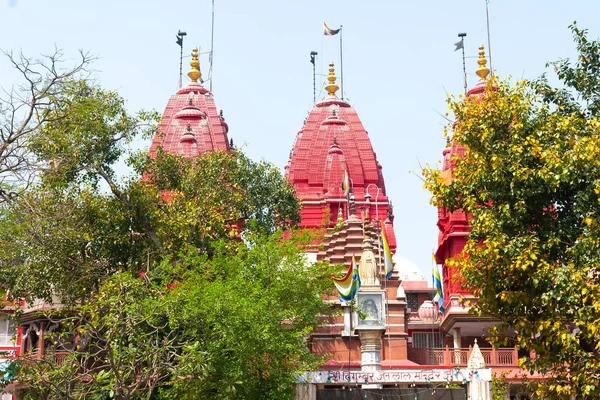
x=327, y=31
x=179, y=40
x=459, y=45
x=437, y=283
x=346, y=183
x=388, y=266
x=348, y=285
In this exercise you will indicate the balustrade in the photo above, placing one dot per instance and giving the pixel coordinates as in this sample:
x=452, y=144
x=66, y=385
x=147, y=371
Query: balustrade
x=502, y=357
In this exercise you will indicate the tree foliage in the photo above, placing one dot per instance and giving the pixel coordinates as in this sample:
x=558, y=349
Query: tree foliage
x=174, y=280
x=230, y=326
x=530, y=183
x=26, y=107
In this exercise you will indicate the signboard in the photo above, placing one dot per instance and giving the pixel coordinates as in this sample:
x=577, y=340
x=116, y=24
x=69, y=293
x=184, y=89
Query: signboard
x=397, y=376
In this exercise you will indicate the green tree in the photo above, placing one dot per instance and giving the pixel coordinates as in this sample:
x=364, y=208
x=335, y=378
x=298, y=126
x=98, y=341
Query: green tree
x=230, y=326
x=530, y=183
x=250, y=316
x=116, y=345
x=173, y=281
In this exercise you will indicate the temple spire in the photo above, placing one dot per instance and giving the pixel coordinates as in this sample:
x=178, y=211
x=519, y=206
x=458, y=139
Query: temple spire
x=332, y=87
x=195, y=73
x=482, y=71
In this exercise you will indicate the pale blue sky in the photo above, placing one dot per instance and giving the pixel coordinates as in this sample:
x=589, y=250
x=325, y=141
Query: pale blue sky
x=399, y=62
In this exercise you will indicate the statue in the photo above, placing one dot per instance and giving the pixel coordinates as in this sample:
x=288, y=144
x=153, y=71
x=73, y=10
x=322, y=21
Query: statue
x=367, y=268
x=371, y=313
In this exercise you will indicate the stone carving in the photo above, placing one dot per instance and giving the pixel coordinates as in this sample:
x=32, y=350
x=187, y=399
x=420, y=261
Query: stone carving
x=367, y=268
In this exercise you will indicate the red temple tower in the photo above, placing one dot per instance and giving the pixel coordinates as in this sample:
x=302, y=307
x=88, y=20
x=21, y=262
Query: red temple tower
x=191, y=124
x=332, y=143
x=453, y=232
x=341, y=187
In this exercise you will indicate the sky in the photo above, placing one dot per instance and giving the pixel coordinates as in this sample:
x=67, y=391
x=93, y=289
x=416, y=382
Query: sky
x=398, y=59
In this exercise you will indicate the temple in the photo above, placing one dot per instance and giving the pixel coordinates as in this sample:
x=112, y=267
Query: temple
x=333, y=146
x=452, y=237
x=391, y=340
x=191, y=124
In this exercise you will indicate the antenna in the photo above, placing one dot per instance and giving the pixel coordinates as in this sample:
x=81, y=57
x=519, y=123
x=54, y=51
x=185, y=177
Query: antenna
x=179, y=41
x=313, y=56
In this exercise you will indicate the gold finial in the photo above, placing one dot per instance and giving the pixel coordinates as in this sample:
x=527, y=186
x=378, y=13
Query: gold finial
x=195, y=73
x=482, y=71
x=332, y=87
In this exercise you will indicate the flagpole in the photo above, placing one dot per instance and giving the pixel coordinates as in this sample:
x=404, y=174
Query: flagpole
x=387, y=315
x=387, y=298
x=464, y=65
x=349, y=195
x=462, y=46
x=313, y=56
x=212, y=43
x=432, y=268
x=181, y=64
x=350, y=337
x=487, y=17
x=342, y=62
x=180, y=36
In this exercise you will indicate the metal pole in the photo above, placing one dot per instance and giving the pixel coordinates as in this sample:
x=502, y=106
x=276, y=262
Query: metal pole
x=314, y=84
x=313, y=56
x=180, y=36
x=350, y=339
x=350, y=193
x=341, y=63
x=464, y=65
x=487, y=18
x=462, y=46
x=181, y=64
x=212, y=43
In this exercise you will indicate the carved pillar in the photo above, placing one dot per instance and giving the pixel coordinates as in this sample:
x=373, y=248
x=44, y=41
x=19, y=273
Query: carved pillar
x=457, y=345
x=41, y=341
x=370, y=326
x=457, y=338
x=370, y=348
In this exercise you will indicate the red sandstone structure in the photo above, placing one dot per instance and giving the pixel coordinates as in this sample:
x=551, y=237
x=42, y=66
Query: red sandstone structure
x=418, y=349
x=454, y=228
x=332, y=142
x=191, y=124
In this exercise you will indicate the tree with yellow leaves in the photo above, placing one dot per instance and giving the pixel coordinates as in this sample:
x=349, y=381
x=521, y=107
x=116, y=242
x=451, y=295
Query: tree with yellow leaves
x=530, y=183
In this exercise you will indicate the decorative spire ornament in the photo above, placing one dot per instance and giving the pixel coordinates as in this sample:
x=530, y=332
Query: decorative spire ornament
x=482, y=71
x=332, y=87
x=195, y=73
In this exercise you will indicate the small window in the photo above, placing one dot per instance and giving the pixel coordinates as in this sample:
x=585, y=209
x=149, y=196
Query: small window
x=7, y=330
x=428, y=340
x=412, y=301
